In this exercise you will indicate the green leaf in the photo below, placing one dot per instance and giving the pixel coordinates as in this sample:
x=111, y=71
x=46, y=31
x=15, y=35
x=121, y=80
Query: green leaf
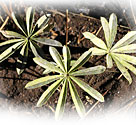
x=19, y=23
x=91, y=91
x=23, y=60
x=57, y=57
x=113, y=28
x=125, y=57
x=98, y=42
x=29, y=19
x=89, y=71
x=126, y=49
x=67, y=57
x=61, y=101
x=72, y=62
x=48, y=93
x=106, y=29
x=97, y=51
x=47, y=41
x=128, y=66
x=10, y=41
x=24, y=50
x=76, y=99
x=42, y=81
x=39, y=31
x=47, y=29
x=43, y=20
x=47, y=65
x=123, y=70
x=37, y=51
x=81, y=61
x=8, y=52
x=129, y=38
x=46, y=71
x=12, y=34
x=109, y=61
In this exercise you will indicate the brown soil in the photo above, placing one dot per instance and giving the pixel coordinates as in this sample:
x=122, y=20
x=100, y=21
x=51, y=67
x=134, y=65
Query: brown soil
x=14, y=97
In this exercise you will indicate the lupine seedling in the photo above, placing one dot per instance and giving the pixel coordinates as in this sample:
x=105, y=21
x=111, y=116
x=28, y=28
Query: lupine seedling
x=28, y=38
x=118, y=52
x=66, y=77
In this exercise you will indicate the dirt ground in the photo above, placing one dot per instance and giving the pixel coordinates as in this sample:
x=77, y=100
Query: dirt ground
x=14, y=97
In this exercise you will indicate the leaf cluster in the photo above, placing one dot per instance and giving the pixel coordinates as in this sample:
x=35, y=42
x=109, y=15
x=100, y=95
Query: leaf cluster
x=27, y=39
x=66, y=77
x=66, y=69
x=117, y=52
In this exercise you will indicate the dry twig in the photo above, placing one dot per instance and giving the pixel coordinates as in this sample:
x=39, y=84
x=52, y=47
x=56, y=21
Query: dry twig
x=5, y=8
x=5, y=22
x=95, y=104
x=56, y=12
x=127, y=106
x=66, y=27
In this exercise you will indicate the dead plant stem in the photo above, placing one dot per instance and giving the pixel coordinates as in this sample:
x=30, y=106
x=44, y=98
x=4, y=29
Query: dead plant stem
x=66, y=27
x=5, y=22
x=95, y=104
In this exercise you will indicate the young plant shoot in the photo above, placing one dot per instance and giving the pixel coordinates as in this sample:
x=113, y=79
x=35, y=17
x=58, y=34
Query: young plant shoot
x=28, y=38
x=118, y=52
x=66, y=77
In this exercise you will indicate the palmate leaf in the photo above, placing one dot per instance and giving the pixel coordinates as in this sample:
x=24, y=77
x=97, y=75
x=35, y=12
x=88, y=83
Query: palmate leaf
x=57, y=57
x=123, y=70
x=106, y=29
x=81, y=61
x=67, y=57
x=10, y=41
x=48, y=93
x=47, y=65
x=76, y=99
x=89, y=71
x=95, y=94
x=28, y=38
x=8, y=52
x=12, y=34
x=65, y=78
x=42, y=81
x=29, y=19
x=113, y=28
x=47, y=41
x=124, y=45
x=96, y=41
x=126, y=40
x=61, y=101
